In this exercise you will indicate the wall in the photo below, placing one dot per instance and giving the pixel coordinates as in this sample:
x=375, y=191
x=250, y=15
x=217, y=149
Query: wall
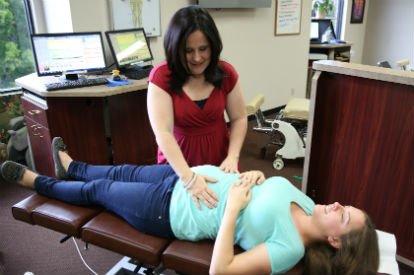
x=355, y=33
x=92, y=15
x=274, y=66
x=52, y=16
x=390, y=32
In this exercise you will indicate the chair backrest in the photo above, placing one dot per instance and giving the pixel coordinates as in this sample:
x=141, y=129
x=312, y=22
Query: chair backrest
x=384, y=64
x=403, y=64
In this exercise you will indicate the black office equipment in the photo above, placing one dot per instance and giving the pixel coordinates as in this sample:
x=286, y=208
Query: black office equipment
x=68, y=53
x=130, y=50
x=384, y=64
x=78, y=83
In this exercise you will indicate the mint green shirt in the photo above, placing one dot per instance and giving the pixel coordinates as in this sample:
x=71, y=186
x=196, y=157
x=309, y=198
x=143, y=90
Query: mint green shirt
x=266, y=219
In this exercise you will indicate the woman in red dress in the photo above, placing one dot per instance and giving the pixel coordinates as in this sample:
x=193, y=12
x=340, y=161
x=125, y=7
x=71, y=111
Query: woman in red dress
x=187, y=97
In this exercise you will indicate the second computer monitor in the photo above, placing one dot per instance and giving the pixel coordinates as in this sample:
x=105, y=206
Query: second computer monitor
x=129, y=47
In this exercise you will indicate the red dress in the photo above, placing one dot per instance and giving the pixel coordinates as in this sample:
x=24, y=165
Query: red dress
x=202, y=134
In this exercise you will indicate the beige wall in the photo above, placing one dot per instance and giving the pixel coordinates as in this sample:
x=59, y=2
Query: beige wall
x=390, y=32
x=355, y=33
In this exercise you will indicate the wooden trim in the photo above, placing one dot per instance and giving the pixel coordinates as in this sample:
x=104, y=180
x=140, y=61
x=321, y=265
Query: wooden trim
x=309, y=134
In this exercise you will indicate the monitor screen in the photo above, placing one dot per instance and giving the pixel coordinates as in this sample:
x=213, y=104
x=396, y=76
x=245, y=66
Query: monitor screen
x=129, y=47
x=68, y=52
x=326, y=30
x=314, y=31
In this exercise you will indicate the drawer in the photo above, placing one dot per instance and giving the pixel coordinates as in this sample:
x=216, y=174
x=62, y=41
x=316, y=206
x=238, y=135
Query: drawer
x=34, y=111
x=40, y=142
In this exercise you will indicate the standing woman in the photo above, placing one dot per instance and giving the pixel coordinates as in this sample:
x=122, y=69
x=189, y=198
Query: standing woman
x=187, y=97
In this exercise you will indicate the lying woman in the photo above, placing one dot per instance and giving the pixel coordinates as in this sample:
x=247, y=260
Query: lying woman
x=271, y=219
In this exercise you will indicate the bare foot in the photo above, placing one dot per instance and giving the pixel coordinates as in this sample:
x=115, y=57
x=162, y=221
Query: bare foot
x=65, y=159
x=28, y=179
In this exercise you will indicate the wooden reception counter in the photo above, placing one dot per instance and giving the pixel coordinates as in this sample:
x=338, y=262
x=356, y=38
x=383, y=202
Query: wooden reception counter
x=361, y=145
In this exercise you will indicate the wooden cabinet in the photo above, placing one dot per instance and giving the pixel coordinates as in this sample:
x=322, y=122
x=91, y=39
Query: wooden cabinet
x=99, y=130
x=132, y=138
x=80, y=122
x=361, y=145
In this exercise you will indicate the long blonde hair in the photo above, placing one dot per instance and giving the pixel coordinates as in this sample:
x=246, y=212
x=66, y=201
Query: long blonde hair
x=358, y=254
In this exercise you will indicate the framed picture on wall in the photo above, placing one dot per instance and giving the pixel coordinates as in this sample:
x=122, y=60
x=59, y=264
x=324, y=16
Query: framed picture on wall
x=357, y=12
x=136, y=14
x=288, y=16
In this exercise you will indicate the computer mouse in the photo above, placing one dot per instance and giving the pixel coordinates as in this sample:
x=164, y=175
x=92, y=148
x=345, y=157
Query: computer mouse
x=116, y=78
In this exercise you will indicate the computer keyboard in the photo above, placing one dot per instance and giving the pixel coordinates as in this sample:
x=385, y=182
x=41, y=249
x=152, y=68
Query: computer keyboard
x=72, y=84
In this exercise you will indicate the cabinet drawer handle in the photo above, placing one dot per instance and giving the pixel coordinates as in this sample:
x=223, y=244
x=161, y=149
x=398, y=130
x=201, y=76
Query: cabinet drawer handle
x=36, y=127
x=33, y=112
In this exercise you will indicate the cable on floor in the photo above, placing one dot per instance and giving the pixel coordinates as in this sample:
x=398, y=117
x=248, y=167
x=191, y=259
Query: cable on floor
x=83, y=260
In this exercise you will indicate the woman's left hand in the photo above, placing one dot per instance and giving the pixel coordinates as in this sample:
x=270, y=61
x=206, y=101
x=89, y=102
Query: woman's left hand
x=230, y=164
x=253, y=177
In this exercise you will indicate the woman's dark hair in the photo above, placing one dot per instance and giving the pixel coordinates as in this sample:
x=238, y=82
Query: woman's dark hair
x=184, y=22
x=358, y=254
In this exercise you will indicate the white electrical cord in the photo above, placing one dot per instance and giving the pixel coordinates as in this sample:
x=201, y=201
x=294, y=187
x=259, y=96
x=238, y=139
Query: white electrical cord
x=77, y=248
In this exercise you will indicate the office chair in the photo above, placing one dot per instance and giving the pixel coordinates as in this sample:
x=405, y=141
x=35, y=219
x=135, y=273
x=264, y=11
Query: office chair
x=403, y=64
x=384, y=64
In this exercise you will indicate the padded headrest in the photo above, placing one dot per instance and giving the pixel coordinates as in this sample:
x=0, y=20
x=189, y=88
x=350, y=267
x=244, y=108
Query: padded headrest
x=388, y=250
x=297, y=108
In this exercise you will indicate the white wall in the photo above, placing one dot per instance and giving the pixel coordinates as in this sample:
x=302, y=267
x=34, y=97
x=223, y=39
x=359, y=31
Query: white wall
x=390, y=32
x=273, y=65
x=90, y=15
x=58, y=16
x=355, y=33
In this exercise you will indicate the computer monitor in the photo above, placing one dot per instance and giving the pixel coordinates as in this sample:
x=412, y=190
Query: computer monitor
x=326, y=32
x=57, y=53
x=314, y=31
x=129, y=47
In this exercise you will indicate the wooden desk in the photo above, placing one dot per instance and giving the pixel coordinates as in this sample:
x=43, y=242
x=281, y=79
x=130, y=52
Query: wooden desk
x=100, y=124
x=339, y=52
x=361, y=145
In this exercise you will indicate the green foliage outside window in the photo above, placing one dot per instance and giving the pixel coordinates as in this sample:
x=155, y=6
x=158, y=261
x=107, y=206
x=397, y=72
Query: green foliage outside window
x=324, y=7
x=10, y=107
x=16, y=56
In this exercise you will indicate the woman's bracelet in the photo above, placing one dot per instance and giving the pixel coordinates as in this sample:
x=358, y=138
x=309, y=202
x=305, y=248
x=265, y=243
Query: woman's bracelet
x=188, y=184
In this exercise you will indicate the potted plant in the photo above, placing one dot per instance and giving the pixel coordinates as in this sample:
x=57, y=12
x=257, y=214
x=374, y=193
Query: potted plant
x=323, y=7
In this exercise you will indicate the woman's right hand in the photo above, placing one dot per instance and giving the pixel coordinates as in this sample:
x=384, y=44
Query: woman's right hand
x=200, y=192
x=239, y=195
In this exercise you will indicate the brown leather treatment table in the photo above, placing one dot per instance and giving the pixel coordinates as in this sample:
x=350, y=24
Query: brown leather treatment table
x=101, y=228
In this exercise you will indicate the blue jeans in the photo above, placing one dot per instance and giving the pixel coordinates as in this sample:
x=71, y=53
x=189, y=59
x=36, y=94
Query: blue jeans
x=139, y=194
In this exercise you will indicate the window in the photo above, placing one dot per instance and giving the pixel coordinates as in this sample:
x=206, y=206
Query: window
x=16, y=57
x=335, y=14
